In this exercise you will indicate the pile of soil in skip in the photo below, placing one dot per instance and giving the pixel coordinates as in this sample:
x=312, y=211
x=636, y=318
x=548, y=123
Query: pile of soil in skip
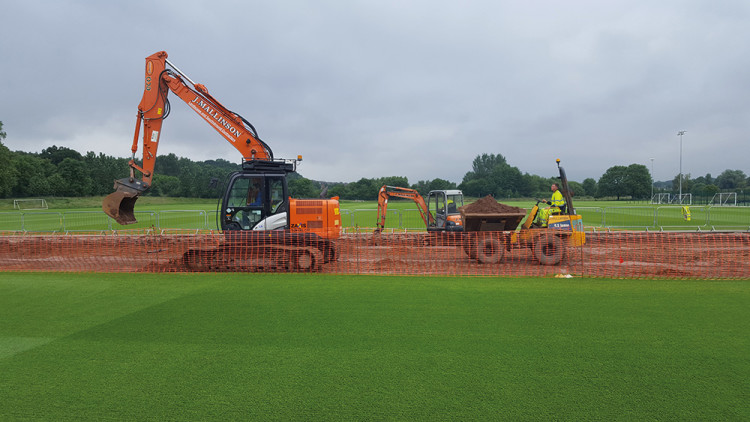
x=488, y=205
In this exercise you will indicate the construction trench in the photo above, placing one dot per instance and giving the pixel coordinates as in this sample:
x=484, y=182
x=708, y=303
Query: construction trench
x=680, y=255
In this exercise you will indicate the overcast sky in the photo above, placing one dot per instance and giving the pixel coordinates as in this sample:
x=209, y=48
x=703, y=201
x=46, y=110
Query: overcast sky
x=395, y=88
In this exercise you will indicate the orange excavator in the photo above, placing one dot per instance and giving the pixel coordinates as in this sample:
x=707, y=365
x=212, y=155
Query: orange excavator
x=440, y=212
x=264, y=228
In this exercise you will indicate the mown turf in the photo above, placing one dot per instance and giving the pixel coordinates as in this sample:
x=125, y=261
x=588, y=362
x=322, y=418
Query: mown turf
x=310, y=347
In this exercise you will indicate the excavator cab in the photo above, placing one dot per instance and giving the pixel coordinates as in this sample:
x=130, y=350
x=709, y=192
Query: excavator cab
x=444, y=205
x=256, y=198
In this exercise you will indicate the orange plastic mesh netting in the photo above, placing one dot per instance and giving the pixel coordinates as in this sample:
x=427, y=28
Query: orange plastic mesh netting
x=699, y=255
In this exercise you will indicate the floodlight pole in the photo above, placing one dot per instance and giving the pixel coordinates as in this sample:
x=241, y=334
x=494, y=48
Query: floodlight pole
x=680, y=133
x=652, y=181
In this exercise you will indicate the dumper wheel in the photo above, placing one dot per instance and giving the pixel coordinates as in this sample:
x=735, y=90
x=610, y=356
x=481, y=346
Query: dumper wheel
x=489, y=250
x=549, y=249
x=470, y=246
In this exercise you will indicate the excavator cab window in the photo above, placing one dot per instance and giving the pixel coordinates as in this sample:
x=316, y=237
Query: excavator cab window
x=251, y=198
x=436, y=203
x=244, y=204
x=276, y=194
x=454, y=203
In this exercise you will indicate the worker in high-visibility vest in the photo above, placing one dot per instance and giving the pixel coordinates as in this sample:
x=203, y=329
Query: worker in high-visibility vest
x=557, y=197
x=686, y=213
x=557, y=205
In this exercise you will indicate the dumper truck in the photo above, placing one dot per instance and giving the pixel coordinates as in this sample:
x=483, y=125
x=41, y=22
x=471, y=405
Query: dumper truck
x=491, y=229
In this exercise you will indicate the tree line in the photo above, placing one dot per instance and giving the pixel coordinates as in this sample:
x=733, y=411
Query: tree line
x=61, y=171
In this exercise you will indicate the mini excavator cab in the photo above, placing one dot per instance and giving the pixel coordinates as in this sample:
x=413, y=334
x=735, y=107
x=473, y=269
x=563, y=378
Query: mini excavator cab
x=444, y=205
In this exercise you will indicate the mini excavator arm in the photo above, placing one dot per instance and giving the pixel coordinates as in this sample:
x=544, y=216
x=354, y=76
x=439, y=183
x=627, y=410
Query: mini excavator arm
x=386, y=192
x=161, y=76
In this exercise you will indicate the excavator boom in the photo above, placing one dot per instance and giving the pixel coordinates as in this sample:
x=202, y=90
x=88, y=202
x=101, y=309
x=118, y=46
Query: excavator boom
x=161, y=76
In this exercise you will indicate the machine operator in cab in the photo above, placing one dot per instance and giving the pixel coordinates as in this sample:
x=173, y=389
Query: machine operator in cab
x=557, y=205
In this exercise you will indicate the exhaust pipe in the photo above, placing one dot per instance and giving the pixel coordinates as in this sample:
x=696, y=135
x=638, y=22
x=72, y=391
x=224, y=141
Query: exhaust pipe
x=121, y=203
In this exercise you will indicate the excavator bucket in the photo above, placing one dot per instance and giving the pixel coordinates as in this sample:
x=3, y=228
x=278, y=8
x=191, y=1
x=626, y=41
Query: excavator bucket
x=121, y=203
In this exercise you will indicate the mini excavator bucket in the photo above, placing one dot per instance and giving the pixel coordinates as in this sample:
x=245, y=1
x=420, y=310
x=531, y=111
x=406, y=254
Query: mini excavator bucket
x=121, y=203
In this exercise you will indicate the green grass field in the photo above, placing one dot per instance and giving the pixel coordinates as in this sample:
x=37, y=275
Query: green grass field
x=85, y=214
x=311, y=347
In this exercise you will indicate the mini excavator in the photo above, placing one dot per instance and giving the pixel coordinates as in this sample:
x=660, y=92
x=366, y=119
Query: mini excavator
x=440, y=212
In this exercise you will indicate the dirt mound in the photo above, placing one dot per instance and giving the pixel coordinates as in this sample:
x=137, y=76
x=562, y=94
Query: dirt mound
x=488, y=205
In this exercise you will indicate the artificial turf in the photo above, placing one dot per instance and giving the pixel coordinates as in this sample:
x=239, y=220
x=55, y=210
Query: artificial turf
x=290, y=347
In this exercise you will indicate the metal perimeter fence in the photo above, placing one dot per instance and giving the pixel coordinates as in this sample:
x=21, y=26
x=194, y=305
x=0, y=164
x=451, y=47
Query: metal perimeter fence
x=664, y=218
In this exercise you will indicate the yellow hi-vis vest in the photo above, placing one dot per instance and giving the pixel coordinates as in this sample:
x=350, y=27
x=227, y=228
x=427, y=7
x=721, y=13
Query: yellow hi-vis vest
x=686, y=213
x=557, y=199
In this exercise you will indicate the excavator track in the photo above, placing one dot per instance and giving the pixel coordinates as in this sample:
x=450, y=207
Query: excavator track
x=265, y=258
x=263, y=252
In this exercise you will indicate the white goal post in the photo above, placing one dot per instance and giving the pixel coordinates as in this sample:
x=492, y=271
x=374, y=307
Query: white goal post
x=684, y=199
x=724, y=198
x=661, y=198
x=30, y=204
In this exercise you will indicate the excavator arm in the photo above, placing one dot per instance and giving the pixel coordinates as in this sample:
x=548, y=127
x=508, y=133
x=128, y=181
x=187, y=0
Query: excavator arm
x=386, y=192
x=161, y=76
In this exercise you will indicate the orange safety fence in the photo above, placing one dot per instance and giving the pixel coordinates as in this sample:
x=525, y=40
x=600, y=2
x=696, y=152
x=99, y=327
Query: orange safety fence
x=695, y=255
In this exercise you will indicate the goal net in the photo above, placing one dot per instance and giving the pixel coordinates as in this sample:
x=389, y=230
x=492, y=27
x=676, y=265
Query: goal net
x=30, y=204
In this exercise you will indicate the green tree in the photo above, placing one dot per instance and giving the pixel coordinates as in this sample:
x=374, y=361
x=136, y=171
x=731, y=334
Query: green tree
x=612, y=182
x=167, y=165
x=165, y=185
x=425, y=186
x=710, y=190
x=57, y=185
x=705, y=180
x=103, y=170
x=633, y=180
x=39, y=186
x=484, y=164
x=399, y=181
x=8, y=173
x=365, y=189
x=638, y=181
x=576, y=189
x=57, y=154
x=536, y=186
x=76, y=179
x=589, y=186
x=34, y=172
x=303, y=188
x=339, y=189
x=492, y=175
x=731, y=179
x=506, y=180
